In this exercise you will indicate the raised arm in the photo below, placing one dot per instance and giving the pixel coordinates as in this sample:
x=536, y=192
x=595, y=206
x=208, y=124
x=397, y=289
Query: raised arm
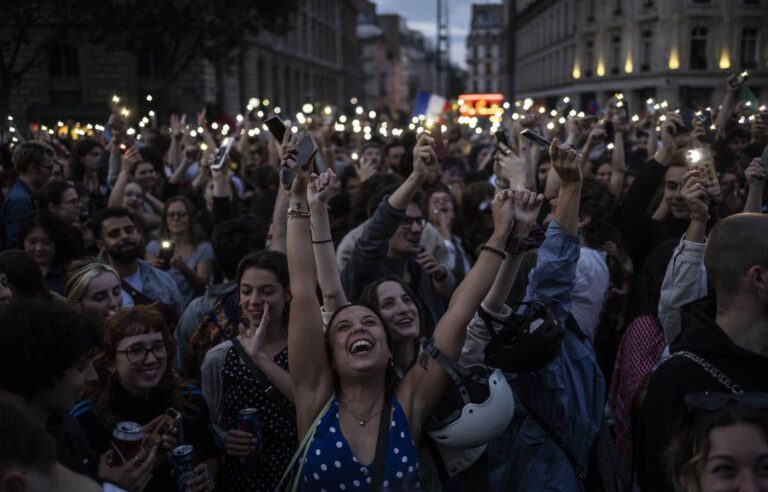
x=421, y=387
x=527, y=205
x=618, y=165
x=319, y=191
x=732, y=88
x=311, y=375
x=422, y=154
x=129, y=162
x=755, y=175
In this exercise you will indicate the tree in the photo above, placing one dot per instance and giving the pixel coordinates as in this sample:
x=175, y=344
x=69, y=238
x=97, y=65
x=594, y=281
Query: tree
x=178, y=31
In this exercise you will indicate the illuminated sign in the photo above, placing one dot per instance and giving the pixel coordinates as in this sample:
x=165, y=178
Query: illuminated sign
x=480, y=104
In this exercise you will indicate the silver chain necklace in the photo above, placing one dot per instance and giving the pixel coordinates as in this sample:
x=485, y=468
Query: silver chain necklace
x=711, y=370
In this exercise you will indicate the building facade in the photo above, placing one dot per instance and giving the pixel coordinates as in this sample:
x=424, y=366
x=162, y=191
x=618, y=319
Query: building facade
x=675, y=50
x=485, y=53
x=315, y=62
x=395, y=61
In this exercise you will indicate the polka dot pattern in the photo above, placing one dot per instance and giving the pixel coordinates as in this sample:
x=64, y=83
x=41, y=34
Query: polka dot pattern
x=331, y=464
x=278, y=431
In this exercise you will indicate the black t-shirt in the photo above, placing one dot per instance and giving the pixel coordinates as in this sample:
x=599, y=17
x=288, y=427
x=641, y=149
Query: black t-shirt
x=195, y=427
x=72, y=447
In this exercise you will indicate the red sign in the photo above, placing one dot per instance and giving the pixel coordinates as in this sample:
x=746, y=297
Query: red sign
x=480, y=104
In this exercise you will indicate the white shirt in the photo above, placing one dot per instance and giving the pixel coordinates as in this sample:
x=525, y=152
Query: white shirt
x=590, y=289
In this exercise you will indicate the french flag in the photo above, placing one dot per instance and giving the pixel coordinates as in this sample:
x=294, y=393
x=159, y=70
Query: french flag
x=430, y=105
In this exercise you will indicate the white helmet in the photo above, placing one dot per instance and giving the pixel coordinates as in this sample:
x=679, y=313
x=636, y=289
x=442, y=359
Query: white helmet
x=475, y=410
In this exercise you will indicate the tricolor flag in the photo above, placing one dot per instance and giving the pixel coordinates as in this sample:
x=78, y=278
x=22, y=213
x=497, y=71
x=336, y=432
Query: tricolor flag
x=430, y=105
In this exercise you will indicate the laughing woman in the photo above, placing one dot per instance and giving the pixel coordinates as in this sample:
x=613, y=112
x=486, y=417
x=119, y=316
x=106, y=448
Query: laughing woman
x=344, y=379
x=137, y=384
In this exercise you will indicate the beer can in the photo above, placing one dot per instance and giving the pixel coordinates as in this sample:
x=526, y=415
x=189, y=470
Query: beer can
x=248, y=421
x=126, y=443
x=184, y=463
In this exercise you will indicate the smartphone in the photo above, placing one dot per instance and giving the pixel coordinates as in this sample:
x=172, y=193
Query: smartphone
x=537, y=139
x=167, y=249
x=742, y=77
x=223, y=152
x=276, y=127
x=169, y=419
x=705, y=118
x=687, y=116
x=651, y=106
x=305, y=151
x=701, y=160
x=501, y=137
x=764, y=158
x=610, y=132
x=439, y=147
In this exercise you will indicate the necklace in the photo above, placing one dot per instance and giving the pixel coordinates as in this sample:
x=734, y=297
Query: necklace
x=360, y=419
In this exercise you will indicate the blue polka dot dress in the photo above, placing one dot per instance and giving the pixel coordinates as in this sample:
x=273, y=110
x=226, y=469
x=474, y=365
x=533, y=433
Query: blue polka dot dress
x=330, y=465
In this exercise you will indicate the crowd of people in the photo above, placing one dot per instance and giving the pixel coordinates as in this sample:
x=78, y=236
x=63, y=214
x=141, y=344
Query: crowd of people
x=445, y=307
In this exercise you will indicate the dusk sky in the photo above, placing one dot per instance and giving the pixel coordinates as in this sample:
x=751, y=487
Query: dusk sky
x=422, y=15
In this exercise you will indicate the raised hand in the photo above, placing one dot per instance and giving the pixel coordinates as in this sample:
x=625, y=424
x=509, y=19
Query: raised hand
x=134, y=475
x=365, y=168
x=695, y=195
x=253, y=338
x=755, y=173
x=201, y=122
x=320, y=189
x=527, y=206
x=509, y=166
x=130, y=160
x=503, y=211
x=566, y=162
x=424, y=156
x=732, y=83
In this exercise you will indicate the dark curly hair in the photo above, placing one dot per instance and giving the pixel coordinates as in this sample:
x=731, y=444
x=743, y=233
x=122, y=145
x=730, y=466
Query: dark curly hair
x=39, y=340
x=24, y=276
x=597, y=203
x=79, y=150
x=235, y=238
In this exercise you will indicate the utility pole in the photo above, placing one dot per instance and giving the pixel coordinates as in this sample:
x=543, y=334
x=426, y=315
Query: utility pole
x=443, y=45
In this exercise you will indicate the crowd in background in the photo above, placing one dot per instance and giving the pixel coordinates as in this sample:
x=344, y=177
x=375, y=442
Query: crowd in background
x=450, y=302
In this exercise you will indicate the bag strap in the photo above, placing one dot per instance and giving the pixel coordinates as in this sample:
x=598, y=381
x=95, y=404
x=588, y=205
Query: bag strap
x=711, y=370
x=271, y=392
x=555, y=437
x=377, y=475
x=301, y=451
x=140, y=299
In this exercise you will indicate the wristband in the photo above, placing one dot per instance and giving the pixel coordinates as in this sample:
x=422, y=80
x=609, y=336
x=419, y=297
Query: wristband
x=499, y=252
x=298, y=212
x=323, y=242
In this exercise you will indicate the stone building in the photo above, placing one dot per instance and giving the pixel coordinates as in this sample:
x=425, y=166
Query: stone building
x=395, y=61
x=678, y=50
x=485, y=56
x=316, y=62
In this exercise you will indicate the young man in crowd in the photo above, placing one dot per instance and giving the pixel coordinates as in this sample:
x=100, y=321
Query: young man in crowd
x=723, y=341
x=34, y=163
x=391, y=243
x=121, y=248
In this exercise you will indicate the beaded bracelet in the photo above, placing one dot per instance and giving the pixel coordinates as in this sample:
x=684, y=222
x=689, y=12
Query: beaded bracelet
x=298, y=212
x=499, y=252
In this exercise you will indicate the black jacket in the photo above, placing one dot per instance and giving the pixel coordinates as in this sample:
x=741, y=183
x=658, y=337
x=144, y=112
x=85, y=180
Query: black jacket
x=664, y=407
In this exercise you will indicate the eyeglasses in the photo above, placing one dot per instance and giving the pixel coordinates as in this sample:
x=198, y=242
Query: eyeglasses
x=407, y=222
x=138, y=353
x=74, y=202
x=177, y=215
x=711, y=402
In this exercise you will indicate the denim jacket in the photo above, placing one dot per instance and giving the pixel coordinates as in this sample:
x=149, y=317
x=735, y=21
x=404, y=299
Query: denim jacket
x=568, y=394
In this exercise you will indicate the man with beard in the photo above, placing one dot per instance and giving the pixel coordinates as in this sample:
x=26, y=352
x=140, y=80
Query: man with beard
x=120, y=246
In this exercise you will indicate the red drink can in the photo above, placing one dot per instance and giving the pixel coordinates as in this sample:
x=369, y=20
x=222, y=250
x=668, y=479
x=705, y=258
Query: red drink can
x=126, y=443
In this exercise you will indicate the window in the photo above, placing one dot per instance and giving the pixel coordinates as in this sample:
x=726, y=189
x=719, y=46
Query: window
x=590, y=10
x=488, y=68
x=647, y=47
x=749, y=48
x=589, y=58
x=699, y=48
x=150, y=63
x=63, y=61
x=615, y=53
x=618, y=8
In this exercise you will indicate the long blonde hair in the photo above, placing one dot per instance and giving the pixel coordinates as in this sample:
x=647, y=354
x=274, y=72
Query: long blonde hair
x=80, y=274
